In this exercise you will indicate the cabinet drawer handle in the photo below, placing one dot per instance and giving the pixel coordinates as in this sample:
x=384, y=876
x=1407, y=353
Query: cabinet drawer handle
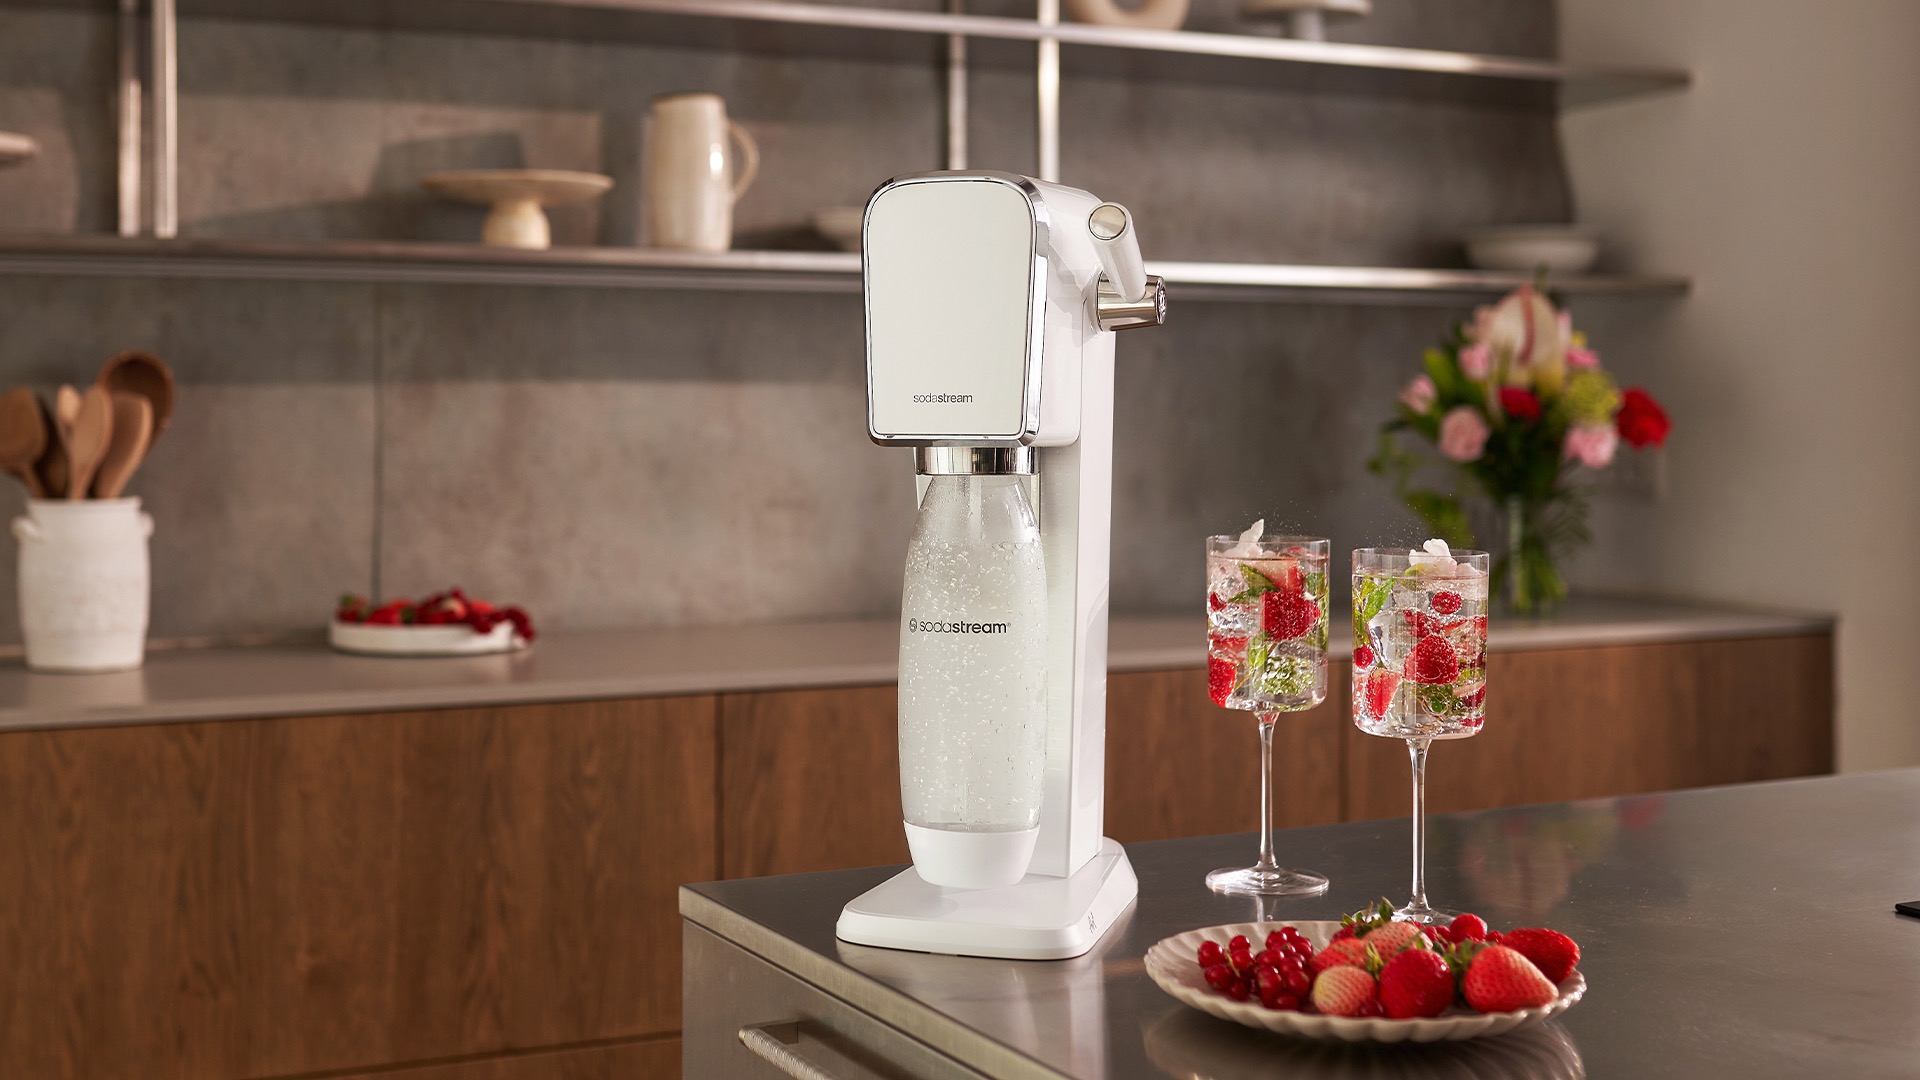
x=778, y=1045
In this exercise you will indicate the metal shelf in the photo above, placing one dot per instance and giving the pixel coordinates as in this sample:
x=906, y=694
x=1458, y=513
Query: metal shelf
x=1053, y=47
x=750, y=271
x=877, y=31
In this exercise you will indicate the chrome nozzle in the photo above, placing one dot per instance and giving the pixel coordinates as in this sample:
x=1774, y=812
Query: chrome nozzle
x=973, y=460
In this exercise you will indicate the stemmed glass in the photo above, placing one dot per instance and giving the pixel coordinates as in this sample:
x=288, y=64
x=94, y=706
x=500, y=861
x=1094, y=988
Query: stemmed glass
x=1266, y=654
x=1420, y=665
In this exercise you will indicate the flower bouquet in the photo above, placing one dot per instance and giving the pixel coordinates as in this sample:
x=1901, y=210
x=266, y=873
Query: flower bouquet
x=1517, y=401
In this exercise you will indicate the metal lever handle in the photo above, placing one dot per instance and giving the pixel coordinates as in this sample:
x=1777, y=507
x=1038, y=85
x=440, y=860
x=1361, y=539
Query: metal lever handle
x=1118, y=247
x=778, y=1044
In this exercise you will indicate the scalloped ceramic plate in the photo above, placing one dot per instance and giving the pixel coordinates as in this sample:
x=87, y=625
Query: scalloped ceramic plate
x=423, y=640
x=1171, y=965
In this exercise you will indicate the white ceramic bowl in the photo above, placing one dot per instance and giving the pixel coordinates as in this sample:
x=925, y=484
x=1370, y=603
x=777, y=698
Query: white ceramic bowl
x=1172, y=965
x=840, y=224
x=421, y=640
x=1566, y=248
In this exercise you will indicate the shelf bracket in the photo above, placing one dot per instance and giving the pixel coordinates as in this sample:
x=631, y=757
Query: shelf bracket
x=128, y=106
x=1047, y=89
x=957, y=92
x=166, y=119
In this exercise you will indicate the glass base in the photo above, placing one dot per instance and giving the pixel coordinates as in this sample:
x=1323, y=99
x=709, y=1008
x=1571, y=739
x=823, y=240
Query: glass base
x=1424, y=915
x=1266, y=881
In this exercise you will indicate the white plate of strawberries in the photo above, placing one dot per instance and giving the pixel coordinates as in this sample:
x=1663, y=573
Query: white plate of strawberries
x=1366, y=978
x=449, y=623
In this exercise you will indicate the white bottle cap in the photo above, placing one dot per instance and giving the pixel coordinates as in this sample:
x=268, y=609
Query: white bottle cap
x=954, y=859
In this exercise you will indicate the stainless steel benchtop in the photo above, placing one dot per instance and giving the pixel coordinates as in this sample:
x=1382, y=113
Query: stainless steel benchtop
x=292, y=680
x=1740, y=932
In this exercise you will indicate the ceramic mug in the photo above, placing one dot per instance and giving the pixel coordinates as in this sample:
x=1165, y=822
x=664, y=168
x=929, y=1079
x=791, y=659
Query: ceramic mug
x=83, y=583
x=689, y=179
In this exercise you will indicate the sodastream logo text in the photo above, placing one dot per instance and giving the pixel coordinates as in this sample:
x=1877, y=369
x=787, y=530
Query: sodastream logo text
x=940, y=626
x=942, y=399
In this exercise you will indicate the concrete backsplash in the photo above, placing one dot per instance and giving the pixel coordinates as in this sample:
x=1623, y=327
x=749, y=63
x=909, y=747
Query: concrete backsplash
x=641, y=457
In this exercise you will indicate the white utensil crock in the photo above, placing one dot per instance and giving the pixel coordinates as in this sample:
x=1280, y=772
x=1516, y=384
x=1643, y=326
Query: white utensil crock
x=689, y=176
x=84, y=583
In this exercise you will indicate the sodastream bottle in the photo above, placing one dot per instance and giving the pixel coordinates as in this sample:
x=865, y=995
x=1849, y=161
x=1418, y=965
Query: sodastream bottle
x=973, y=693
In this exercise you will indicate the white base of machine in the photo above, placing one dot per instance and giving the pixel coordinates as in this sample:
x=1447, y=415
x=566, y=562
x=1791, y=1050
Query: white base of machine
x=1040, y=918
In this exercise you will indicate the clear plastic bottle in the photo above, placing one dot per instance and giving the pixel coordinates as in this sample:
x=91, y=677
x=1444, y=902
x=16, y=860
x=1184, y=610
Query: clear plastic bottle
x=973, y=690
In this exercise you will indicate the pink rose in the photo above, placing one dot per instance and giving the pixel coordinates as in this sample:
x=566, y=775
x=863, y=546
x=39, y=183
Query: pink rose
x=1463, y=434
x=1476, y=361
x=1592, y=444
x=1418, y=394
x=1578, y=357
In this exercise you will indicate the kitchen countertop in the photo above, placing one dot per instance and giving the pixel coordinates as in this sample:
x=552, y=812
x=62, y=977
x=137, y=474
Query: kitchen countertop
x=1742, y=932
x=292, y=680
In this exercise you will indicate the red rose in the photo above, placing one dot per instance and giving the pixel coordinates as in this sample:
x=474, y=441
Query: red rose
x=1519, y=404
x=1641, y=420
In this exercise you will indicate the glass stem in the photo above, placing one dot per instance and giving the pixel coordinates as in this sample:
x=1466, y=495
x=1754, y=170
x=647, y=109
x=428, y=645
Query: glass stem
x=1417, y=748
x=1266, y=791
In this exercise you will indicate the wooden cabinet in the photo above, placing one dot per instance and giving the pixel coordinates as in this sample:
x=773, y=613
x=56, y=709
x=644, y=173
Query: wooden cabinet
x=1179, y=765
x=646, y=1059
x=810, y=780
x=1583, y=723
x=282, y=897
x=489, y=894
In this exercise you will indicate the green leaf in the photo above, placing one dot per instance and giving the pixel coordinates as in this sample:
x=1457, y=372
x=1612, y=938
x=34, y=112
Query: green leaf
x=1257, y=585
x=1317, y=587
x=1444, y=370
x=1372, y=593
x=1440, y=701
x=1257, y=649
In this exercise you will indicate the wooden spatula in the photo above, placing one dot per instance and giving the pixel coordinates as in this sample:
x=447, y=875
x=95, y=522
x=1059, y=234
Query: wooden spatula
x=87, y=440
x=132, y=433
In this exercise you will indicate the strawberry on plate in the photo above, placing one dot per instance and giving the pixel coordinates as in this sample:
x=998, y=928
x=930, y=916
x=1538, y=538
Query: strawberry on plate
x=1389, y=941
x=1498, y=979
x=1344, y=991
x=1554, y=953
x=1346, y=952
x=1417, y=982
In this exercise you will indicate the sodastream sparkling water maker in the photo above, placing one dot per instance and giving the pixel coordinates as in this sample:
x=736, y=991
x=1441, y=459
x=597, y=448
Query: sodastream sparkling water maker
x=991, y=304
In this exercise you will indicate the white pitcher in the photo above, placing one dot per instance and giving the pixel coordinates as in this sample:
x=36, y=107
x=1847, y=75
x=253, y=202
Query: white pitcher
x=688, y=180
x=84, y=583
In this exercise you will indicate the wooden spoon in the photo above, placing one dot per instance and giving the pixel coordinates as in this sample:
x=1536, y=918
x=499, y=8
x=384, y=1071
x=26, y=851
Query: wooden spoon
x=88, y=441
x=132, y=432
x=145, y=375
x=52, y=466
x=66, y=411
x=23, y=438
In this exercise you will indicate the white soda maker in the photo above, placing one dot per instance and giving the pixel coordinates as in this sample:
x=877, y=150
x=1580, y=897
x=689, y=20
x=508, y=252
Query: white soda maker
x=991, y=302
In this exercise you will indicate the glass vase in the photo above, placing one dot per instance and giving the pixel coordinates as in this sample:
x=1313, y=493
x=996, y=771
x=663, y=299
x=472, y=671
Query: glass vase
x=1529, y=580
